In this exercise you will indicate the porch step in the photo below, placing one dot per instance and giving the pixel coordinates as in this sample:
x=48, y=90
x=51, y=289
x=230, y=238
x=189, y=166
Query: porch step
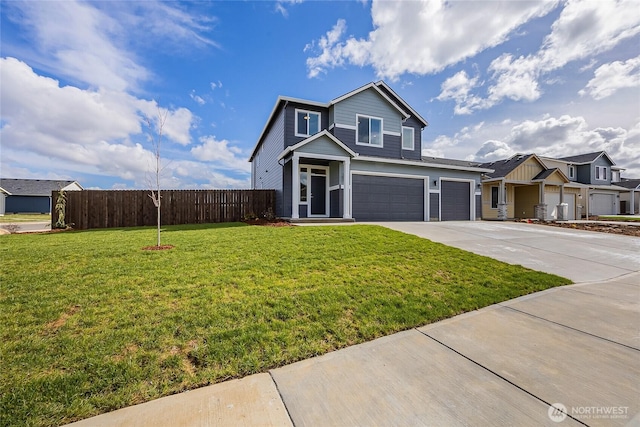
x=320, y=220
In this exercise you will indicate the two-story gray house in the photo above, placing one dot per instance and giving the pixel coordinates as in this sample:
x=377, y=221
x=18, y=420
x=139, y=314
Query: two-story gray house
x=358, y=157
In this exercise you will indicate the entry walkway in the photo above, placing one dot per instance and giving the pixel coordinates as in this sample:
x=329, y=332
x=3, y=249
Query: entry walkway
x=577, y=347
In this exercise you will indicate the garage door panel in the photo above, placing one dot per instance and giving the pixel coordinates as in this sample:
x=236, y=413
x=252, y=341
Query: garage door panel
x=603, y=204
x=381, y=198
x=455, y=199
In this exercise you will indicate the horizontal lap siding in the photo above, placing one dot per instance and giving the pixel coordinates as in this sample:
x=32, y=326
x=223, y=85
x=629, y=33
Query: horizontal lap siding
x=133, y=208
x=267, y=172
x=368, y=103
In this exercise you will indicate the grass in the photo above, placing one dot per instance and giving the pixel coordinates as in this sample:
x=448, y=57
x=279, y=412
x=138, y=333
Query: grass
x=92, y=323
x=623, y=218
x=24, y=218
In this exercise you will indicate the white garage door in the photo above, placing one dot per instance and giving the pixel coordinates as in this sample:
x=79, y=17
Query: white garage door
x=603, y=204
x=553, y=200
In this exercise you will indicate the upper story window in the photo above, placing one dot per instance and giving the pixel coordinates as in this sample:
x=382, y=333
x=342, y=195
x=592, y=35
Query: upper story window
x=572, y=172
x=615, y=176
x=408, y=139
x=307, y=123
x=601, y=173
x=369, y=130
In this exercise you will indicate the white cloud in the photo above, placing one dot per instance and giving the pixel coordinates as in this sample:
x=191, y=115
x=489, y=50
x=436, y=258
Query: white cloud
x=197, y=98
x=493, y=150
x=215, y=85
x=93, y=46
x=89, y=130
x=583, y=29
x=610, y=78
x=281, y=6
x=423, y=37
x=458, y=88
x=222, y=153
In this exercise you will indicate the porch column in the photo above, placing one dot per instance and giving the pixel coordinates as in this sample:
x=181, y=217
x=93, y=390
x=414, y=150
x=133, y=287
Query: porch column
x=502, y=200
x=561, y=214
x=633, y=202
x=346, y=192
x=541, y=208
x=295, y=184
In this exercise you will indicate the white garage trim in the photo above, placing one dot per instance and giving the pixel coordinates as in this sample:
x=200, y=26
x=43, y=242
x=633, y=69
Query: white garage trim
x=394, y=175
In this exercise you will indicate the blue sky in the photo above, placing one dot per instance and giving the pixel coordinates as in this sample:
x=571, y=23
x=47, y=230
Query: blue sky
x=493, y=78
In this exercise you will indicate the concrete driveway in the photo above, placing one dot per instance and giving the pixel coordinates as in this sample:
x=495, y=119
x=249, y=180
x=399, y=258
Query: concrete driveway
x=581, y=256
x=576, y=348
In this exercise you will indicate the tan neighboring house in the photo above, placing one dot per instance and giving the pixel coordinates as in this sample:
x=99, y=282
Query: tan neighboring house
x=522, y=186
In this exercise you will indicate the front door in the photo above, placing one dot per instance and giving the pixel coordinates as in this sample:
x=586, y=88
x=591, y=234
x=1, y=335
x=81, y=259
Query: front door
x=318, y=194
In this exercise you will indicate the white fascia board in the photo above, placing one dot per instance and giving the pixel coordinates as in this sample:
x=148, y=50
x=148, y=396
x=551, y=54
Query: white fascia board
x=2, y=190
x=418, y=116
x=423, y=164
x=304, y=142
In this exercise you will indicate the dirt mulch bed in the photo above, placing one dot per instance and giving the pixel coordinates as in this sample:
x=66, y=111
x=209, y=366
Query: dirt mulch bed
x=269, y=223
x=624, y=229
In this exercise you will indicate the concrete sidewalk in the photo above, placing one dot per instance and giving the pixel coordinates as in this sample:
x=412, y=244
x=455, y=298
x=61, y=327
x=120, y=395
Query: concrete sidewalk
x=578, y=346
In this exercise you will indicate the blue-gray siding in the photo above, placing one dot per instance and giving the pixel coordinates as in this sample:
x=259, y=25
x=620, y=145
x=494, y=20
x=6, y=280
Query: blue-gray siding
x=370, y=103
x=28, y=204
x=266, y=171
x=290, y=121
x=390, y=144
x=478, y=206
x=434, y=206
x=416, y=153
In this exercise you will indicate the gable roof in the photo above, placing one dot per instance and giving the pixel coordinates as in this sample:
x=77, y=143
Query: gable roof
x=415, y=114
x=312, y=138
x=33, y=187
x=547, y=173
x=386, y=92
x=502, y=168
x=583, y=159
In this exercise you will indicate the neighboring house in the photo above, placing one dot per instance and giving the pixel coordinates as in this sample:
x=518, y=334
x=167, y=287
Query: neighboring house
x=359, y=157
x=529, y=186
x=32, y=195
x=522, y=186
x=597, y=176
x=3, y=196
x=630, y=201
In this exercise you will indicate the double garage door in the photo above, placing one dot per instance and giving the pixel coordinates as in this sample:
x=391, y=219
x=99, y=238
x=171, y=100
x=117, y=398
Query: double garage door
x=382, y=198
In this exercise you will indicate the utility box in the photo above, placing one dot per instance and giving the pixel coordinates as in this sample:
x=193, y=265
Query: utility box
x=563, y=211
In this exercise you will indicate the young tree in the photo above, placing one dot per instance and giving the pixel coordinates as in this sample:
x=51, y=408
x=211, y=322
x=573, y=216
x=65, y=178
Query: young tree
x=155, y=133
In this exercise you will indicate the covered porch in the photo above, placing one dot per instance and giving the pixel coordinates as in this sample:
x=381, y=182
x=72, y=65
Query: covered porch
x=316, y=179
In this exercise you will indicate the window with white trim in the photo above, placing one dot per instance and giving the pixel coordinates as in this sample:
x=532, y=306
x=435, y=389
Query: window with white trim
x=408, y=138
x=601, y=173
x=572, y=172
x=369, y=131
x=307, y=123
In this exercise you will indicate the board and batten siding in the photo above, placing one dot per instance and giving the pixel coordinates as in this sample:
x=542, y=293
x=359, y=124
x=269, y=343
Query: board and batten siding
x=369, y=103
x=266, y=171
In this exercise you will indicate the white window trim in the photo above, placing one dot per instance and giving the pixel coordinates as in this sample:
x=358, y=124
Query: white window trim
x=601, y=170
x=307, y=112
x=307, y=203
x=413, y=139
x=572, y=172
x=381, y=131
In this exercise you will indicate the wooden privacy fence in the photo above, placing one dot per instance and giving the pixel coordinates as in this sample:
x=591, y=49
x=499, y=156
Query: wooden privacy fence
x=132, y=208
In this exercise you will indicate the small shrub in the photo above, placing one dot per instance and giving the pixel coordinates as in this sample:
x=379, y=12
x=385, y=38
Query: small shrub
x=269, y=215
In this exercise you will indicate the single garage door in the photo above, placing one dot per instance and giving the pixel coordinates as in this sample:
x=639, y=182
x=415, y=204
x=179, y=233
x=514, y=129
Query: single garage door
x=603, y=204
x=455, y=200
x=382, y=198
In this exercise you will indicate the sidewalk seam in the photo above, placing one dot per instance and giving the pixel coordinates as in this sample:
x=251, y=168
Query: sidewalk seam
x=497, y=375
x=569, y=327
x=275, y=383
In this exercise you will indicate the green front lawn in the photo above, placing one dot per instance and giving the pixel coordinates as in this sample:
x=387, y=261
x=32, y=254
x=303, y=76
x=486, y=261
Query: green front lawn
x=92, y=323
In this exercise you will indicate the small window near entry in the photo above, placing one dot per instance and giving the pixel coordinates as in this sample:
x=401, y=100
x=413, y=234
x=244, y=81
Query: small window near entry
x=369, y=131
x=307, y=123
x=495, y=194
x=303, y=185
x=408, y=140
x=572, y=172
x=601, y=173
